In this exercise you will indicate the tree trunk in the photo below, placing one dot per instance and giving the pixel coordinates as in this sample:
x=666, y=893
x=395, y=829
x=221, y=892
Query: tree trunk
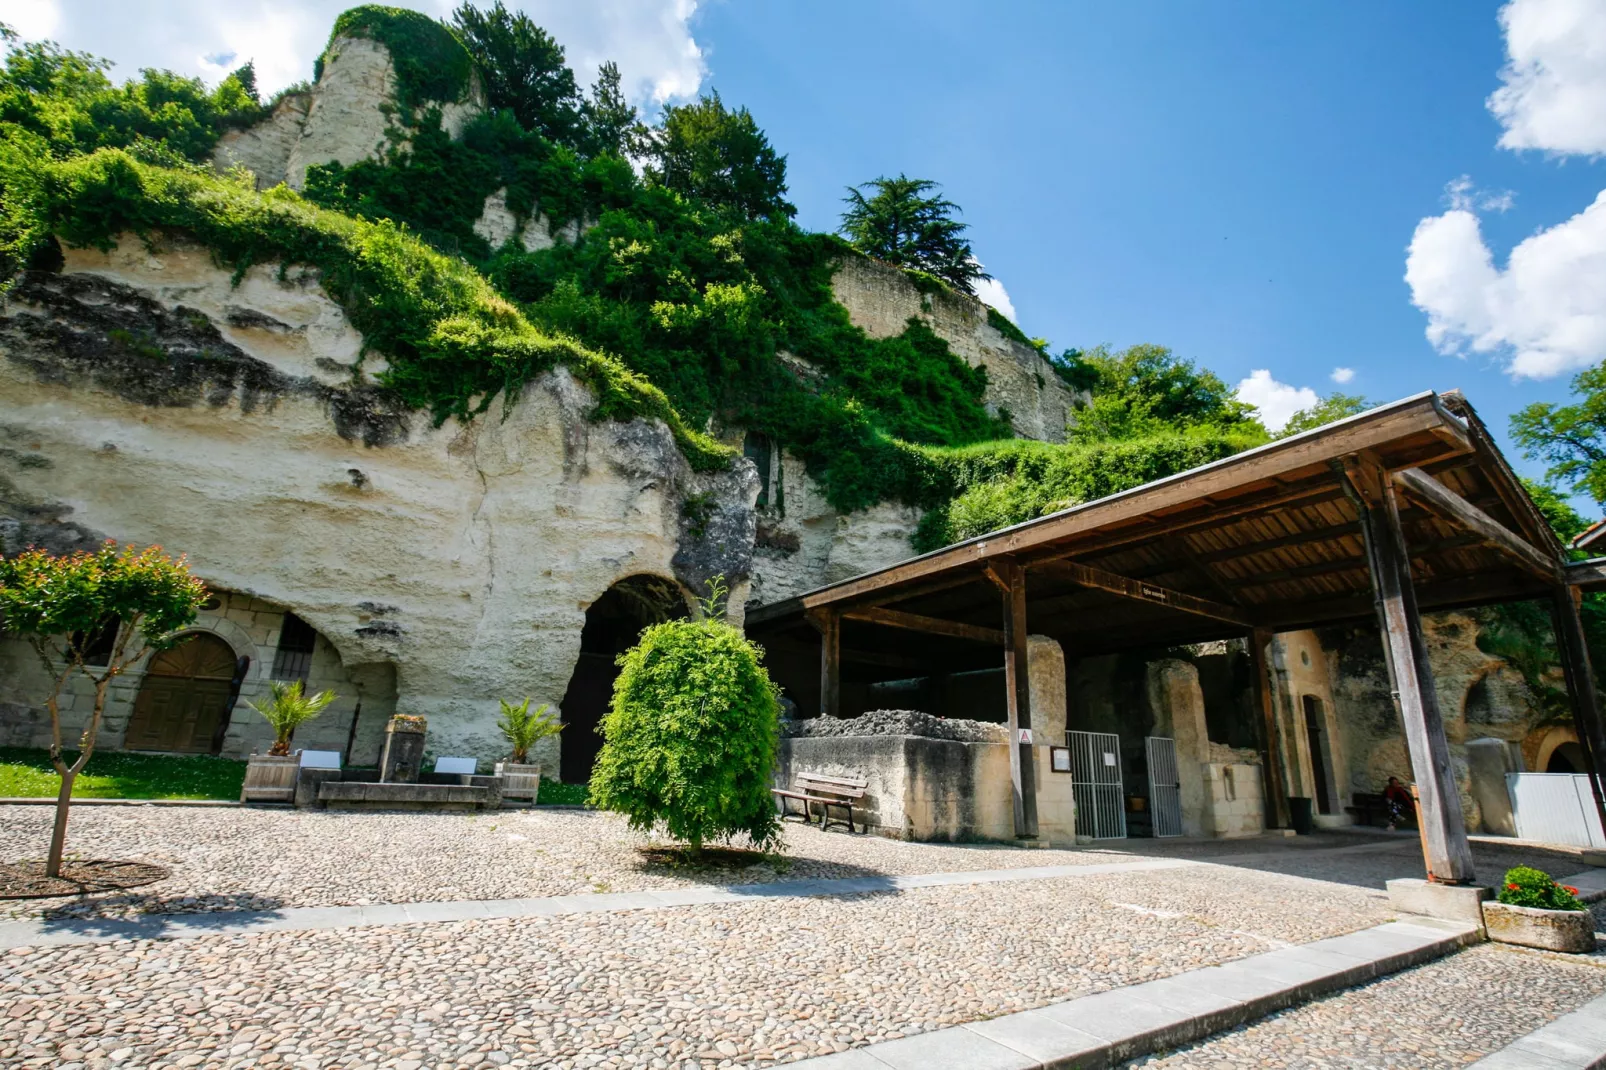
x=58, y=837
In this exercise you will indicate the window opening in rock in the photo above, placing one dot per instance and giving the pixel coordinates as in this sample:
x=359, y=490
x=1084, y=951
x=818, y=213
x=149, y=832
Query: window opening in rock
x=293, y=659
x=756, y=447
x=1566, y=758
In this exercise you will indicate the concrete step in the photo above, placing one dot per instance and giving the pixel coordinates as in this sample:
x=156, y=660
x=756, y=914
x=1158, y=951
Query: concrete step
x=1111, y=1027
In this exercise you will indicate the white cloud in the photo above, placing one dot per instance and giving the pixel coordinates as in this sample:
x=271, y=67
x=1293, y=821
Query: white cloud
x=1276, y=401
x=1544, y=313
x=33, y=19
x=1342, y=375
x=651, y=40
x=992, y=292
x=1554, y=96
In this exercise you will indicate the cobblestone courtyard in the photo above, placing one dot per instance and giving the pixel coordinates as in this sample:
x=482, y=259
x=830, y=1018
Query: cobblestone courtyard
x=712, y=985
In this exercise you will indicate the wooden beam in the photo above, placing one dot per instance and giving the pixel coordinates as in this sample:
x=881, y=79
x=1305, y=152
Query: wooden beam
x=1580, y=674
x=1586, y=575
x=1507, y=487
x=1271, y=736
x=1018, y=695
x=1087, y=576
x=913, y=622
x=1448, y=856
x=829, y=623
x=1233, y=553
x=1448, y=505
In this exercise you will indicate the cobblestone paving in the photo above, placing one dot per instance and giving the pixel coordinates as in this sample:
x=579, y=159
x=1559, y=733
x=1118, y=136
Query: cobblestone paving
x=228, y=859
x=701, y=986
x=1445, y=1014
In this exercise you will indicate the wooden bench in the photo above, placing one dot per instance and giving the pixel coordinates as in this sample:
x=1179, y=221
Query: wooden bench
x=1373, y=809
x=828, y=791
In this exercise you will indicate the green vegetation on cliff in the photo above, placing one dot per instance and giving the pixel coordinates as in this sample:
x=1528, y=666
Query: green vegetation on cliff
x=690, y=295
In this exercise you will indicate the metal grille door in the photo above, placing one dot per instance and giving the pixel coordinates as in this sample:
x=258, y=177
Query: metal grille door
x=1165, y=789
x=1096, y=782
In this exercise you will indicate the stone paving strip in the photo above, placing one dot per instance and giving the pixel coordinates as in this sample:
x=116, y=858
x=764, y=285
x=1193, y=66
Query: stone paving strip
x=1575, y=1041
x=1448, y=1013
x=715, y=986
x=1109, y=1027
x=47, y=933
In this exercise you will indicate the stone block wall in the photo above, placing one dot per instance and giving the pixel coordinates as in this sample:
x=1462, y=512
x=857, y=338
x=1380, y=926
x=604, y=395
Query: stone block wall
x=935, y=789
x=1235, y=800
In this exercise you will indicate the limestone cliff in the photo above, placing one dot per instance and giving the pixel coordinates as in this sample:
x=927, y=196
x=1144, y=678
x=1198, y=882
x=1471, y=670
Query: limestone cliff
x=149, y=400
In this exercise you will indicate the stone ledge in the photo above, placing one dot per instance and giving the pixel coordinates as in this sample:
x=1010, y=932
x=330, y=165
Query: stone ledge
x=1453, y=902
x=341, y=795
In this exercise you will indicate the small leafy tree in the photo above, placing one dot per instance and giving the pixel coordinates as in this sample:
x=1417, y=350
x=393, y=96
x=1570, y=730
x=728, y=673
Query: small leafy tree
x=719, y=156
x=1147, y=390
x=612, y=125
x=1334, y=406
x=904, y=222
x=287, y=709
x=523, y=727
x=59, y=604
x=1570, y=438
x=691, y=738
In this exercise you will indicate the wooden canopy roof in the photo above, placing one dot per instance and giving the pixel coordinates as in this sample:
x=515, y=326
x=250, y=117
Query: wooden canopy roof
x=1267, y=539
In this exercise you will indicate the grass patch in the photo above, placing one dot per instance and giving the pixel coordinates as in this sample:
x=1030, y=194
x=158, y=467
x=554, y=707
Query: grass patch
x=557, y=793
x=27, y=773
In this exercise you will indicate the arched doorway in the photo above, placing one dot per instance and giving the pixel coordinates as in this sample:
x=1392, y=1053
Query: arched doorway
x=185, y=698
x=613, y=623
x=1568, y=757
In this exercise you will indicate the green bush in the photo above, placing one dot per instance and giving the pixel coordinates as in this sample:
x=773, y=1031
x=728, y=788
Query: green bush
x=692, y=735
x=1529, y=887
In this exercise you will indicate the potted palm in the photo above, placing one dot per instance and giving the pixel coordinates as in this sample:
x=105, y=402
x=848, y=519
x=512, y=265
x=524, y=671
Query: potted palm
x=523, y=728
x=1534, y=911
x=271, y=777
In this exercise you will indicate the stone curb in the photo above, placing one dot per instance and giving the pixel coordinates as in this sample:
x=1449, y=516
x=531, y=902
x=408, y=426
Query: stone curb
x=1575, y=1041
x=1111, y=1027
x=31, y=801
x=46, y=933
x=1591, y=884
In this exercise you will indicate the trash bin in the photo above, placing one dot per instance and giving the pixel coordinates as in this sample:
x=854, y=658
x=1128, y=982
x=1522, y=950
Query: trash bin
x=1299, y=815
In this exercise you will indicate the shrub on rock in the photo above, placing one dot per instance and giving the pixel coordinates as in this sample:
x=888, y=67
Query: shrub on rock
x=691, y=739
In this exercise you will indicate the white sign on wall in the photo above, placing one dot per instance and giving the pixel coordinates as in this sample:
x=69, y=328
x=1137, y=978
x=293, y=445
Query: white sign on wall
x=1109, y=759
x=1025, y=735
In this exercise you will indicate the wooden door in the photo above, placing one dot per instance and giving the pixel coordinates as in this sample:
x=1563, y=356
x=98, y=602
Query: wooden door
x=184, y=697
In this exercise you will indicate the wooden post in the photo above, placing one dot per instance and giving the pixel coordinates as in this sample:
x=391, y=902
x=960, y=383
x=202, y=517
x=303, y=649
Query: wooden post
x=1444, y=831
x=1581, y=691
x=1271, y=735
x=1017, y=682
x=830, y=626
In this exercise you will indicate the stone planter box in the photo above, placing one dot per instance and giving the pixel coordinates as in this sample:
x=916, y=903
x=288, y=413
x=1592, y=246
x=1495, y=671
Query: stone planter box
x=519, y=781
x=1549, y=930
x=269, y=778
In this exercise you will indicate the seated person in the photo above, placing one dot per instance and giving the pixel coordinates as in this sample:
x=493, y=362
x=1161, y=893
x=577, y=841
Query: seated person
x=1399, y=802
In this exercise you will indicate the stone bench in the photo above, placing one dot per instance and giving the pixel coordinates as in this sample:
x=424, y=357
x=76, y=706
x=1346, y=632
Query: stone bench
x=483, y=794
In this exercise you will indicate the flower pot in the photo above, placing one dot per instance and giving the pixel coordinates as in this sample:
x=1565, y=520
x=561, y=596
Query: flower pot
x=519, y=780
x=269, y=778
x=1549, y=930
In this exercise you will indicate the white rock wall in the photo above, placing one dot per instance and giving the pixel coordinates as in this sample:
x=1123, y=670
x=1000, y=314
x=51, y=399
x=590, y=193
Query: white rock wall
x=464, y=556
x=266, y=147
x=881, y=300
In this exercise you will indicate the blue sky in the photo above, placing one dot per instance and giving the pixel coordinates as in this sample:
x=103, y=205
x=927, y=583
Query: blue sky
x=1238, y=181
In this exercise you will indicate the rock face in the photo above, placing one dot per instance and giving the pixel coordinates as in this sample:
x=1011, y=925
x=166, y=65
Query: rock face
x=498, y=225
x=346, y=118
x=148, y=401
x=881, y=300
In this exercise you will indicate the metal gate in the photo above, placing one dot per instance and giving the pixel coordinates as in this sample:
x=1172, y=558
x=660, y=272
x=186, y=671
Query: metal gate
x=1096, y=781
x=1165, y=789
x=1555, y=808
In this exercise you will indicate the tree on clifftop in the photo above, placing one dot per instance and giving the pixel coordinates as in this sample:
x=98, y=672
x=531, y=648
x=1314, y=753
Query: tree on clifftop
x=1572, y=438
x=720, y=156
x=523, y=70
x=904, y=222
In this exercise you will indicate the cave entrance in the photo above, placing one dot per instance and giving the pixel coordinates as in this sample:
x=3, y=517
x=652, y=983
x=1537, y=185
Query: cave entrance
x=613, y=623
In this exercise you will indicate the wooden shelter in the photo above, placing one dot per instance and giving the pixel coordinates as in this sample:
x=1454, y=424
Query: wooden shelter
x=1407, y=507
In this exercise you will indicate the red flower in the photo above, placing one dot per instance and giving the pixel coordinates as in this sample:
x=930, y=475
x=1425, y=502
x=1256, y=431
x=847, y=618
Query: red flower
x=1513, y=887
x=1570, y=888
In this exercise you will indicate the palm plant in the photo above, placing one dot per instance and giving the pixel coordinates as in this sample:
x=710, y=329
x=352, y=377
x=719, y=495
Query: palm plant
x=287, y=709
x=523, y=727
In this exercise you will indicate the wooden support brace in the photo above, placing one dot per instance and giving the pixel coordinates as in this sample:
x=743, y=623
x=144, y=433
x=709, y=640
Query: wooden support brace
x=1271, y=736
x=914, y=622
x=1440, y=500
x=1581, y=691
x=1017, y=682
x=1140, y=591
x=829, y=624
x=1448, y=855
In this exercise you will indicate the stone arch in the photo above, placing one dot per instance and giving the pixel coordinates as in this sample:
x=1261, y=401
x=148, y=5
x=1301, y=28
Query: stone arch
x=612, y=625
x=1546, y=742
x=186, y=696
